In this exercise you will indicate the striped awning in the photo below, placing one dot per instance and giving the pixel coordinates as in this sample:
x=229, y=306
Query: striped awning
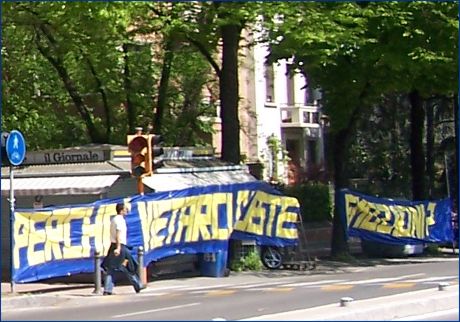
x=70, y=185
x=178, y=181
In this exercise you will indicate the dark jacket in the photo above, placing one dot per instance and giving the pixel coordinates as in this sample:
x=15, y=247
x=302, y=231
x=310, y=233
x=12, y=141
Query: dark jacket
x=115, y=262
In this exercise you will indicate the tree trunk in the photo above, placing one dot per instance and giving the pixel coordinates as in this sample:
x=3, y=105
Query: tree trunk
x=100, y=89
x=417, y=156
x=339, y=244
x=457, y=149
x=229, y=95
x=430, y=146
x=340, y=144
x=130, y=108
x=163, y=87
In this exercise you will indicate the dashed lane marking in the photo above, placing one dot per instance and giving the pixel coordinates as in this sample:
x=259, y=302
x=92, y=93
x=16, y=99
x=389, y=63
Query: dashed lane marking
x=336, y=287
x=220, y=292
x=281, y=289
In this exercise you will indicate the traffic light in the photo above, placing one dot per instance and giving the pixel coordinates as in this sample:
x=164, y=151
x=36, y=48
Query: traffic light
x=156, y=142
x=140, y=148
x=5, y=160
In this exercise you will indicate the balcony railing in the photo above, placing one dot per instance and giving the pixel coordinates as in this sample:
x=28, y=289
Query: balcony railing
x=300, y=116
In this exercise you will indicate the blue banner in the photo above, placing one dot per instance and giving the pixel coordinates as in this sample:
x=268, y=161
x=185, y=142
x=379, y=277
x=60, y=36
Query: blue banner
x=395, y=221
x=60, y=241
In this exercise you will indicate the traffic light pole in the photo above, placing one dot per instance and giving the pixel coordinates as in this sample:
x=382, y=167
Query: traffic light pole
x=142, y=269
x=11, y=227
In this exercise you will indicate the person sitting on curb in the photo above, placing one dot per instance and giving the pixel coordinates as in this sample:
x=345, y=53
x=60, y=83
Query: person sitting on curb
x=119, y=257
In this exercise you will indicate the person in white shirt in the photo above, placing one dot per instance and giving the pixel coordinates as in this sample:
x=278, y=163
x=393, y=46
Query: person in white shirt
x=118, y=256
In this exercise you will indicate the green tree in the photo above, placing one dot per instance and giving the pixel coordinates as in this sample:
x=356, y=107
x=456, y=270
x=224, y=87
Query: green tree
x=94, y=69
x=357, y=52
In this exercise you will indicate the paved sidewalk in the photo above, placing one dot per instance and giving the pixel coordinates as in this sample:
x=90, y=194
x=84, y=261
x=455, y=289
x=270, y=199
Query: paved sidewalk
x=44, y=294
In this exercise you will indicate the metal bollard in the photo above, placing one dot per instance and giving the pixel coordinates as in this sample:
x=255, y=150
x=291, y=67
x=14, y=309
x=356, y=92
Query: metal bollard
x=442, y=286
x=346, y=301
x=97, y=272
x=141, y=269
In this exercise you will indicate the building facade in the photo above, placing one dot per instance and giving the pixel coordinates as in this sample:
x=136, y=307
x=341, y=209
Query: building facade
x=276, y=104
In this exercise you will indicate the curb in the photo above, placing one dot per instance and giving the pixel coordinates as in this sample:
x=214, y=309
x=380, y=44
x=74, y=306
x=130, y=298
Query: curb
x=375, y=309
x=32, y=301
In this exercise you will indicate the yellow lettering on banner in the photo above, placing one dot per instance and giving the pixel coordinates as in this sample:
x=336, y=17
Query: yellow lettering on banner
x=264, y=211
x=351, y=206
x=430, y=216
x=54, y=235
x=172, y=226
x=291, y=218
x=384, y=219
x=146, y=216
x=242, y=201
x=154, y=217
x=186, y=219
x=70, y=214
x=365, y=214
x=218, y=200
x=417, y=221
x=100, y=229
x=401, y=229
x=397, y=220
x=37, y=238
x=202, y=219
x=21, y=232
x=253, y=222
x=411, y=213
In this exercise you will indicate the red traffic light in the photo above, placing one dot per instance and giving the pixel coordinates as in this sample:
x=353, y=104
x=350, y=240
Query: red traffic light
x=140, y=148
x=137, y=144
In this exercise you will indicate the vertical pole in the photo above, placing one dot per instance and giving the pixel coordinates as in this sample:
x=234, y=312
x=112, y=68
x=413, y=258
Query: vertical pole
x=97, y=272
x=446, y=166
x=141, y=269
x=12, y=201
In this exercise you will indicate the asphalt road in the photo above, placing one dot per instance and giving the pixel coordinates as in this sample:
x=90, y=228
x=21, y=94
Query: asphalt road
x=231, y=300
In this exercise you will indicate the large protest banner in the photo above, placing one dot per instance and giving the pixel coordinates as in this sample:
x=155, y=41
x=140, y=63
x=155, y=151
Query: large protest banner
x=395, y=221
x=60, y=241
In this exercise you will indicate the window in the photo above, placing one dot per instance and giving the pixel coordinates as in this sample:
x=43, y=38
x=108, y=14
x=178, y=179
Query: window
x=269, y=83
x=306, y=117
x=315, y=117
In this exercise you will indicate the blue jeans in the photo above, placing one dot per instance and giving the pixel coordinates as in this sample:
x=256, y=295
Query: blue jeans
x=132, y=277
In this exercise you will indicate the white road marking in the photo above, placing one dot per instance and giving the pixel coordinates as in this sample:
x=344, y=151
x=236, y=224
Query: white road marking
x=434, y=278
x=197, y=288
x=381, y=280
x=306, y=284
x=156, y=310
x=265, y=285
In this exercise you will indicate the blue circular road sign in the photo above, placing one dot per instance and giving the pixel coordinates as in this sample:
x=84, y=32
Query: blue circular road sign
x=16, y=147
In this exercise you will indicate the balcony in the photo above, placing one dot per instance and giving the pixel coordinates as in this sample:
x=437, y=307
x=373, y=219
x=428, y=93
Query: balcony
x=302, y=116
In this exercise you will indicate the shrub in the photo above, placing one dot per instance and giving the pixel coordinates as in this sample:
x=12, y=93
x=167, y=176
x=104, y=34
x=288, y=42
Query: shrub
x=314, y=200
x=250, y=262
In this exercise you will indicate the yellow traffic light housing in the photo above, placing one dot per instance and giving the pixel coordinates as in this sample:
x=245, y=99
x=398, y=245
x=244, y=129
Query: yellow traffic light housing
x=141, y=150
